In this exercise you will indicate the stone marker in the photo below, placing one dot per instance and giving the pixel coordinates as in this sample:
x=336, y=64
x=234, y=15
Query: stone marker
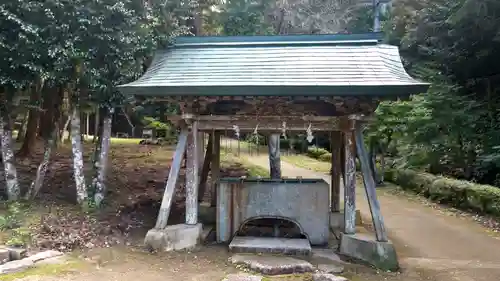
x=272, y=265
x=327, y=277
x=44, y=255
x=4, y=256
x=16, y=266
x=330, y=268
x=17, y=253
x=242, y=277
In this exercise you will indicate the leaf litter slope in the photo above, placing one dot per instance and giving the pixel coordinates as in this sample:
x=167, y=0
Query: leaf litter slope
x=135, y=182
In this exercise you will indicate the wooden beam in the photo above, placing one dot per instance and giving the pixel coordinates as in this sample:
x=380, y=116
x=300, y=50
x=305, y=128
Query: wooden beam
x=173, y=175
x=349, y=184
x=205, y=169
x=336, y=170
x=264, y=123
x=369, y=183
x=215, y=169
x=273, y=144
x=192, y=176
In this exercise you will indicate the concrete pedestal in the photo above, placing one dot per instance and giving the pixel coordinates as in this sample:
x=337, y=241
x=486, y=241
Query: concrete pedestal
x=337, y=220
x=174, y=237
x=365, y=248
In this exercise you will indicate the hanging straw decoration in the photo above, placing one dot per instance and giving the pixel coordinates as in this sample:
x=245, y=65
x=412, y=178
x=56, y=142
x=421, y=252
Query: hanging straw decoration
x=255, y=131
x=236, y=130
x=283, y=129
x=310, y=136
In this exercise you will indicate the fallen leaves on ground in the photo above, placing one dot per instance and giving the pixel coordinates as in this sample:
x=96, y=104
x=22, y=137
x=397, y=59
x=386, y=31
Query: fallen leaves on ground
x=136, y=178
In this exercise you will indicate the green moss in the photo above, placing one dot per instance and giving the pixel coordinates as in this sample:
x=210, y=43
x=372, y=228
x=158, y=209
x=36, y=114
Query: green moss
x=46, y=270
x=289, y=277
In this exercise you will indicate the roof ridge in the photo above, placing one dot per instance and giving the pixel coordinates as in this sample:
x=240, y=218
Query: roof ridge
x=278, y=40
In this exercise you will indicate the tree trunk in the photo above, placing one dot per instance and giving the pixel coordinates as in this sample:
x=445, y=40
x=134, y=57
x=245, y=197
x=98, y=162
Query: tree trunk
x=10, y=172
x=129, y=123
x=64, y=113
x=24, y=126
x=97, y=121
x=87, y=125
x=36, y=185
x=372, y=156
x=382, y=166
x=95, y=158
x=47, y=116
x=99, y=185
x=64, y=129
x=77, y=148
x=29, y=143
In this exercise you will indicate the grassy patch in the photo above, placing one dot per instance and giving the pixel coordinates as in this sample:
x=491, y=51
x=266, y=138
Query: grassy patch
x=125, y=141
x=306, y=162
x=15, y=222
x=229, y=159
x=71, y=265
x=289, y=277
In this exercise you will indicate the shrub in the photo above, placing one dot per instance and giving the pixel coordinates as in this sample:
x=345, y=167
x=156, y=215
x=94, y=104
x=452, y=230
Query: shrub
x=256, y=139
x=284, y=143
x=12, y=217
x=484, y=199
x=327, y=157
x=316, y=152
x=300, y=144
x=19, y=237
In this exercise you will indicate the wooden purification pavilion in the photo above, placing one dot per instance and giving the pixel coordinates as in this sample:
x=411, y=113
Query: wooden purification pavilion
x=291, y=84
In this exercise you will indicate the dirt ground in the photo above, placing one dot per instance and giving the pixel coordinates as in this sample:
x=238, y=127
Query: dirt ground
x=431, y=243
x=202, y=264
x=130, y=264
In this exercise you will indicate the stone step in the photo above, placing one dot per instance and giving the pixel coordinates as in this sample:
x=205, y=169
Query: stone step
x=285, y=246
x=272, y=265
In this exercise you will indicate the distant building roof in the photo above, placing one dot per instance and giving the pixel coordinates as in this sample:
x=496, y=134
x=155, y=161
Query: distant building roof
x=290, y=65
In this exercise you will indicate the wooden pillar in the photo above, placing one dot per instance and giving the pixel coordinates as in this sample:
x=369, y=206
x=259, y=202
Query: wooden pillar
x=273, y=144
x=205, y=169
x=349, y=184
x=336, y=170
x=369, y=183
x=192, y=178
x=201, y=149
x=173, y=175
x=215, y=167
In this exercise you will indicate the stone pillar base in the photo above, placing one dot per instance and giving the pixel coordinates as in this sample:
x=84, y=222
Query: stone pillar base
x=337, y=220
x=174, y=237
x=365, y=248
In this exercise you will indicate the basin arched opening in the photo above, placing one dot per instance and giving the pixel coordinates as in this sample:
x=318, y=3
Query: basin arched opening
x=271, y=226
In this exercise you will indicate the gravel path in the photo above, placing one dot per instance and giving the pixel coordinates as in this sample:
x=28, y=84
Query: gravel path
x=448, y=247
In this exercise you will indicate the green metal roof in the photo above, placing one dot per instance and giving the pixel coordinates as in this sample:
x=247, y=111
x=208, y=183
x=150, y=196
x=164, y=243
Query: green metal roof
x=292, y=65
